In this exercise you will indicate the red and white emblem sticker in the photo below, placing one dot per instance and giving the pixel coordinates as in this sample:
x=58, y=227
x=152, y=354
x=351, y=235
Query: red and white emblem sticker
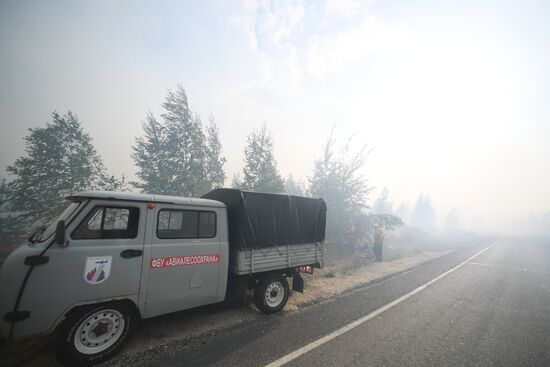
x=97, y=269
x=168, y=262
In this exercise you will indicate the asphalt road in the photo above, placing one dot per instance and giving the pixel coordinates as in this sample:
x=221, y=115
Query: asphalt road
x=492, y=310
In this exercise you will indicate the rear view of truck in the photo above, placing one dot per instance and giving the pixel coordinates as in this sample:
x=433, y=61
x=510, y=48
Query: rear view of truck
x=272, y=236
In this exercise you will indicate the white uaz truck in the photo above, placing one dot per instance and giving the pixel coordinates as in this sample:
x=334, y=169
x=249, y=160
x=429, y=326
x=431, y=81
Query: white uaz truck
x=113, y=258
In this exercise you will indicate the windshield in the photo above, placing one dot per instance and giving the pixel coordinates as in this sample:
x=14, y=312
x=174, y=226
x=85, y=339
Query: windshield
x=50, y=230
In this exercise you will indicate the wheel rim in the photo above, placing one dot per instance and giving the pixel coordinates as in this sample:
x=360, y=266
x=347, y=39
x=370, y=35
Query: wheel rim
x=99, y=331
x=274, y=294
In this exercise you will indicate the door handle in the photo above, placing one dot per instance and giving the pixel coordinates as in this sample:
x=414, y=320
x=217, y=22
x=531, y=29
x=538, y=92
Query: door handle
x=131, y=253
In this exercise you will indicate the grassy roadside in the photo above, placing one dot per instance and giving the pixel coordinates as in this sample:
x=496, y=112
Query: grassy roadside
x=333, y=281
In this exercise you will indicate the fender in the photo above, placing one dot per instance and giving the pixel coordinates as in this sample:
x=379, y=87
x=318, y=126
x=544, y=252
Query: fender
x=132, y=299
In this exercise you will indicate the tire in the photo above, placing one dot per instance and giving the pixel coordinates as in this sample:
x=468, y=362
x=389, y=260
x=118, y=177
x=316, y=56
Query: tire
x=93, y=334
x=271, y=293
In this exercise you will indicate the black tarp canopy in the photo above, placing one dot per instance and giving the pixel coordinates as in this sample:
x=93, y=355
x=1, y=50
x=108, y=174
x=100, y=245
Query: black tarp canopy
x=259, y=220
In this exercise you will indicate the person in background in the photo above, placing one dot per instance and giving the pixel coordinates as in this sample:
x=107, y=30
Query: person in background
x=365, y=250
x=378, y=242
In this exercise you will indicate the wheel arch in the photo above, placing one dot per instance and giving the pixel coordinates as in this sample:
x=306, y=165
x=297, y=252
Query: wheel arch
x=128, y=301
x=297, y=280
x=254, y=278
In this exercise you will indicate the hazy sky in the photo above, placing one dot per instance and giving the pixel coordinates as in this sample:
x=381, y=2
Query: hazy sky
x=452, y=97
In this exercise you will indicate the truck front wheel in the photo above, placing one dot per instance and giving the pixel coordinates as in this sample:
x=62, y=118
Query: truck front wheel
x=92, y=334
x=271, y=293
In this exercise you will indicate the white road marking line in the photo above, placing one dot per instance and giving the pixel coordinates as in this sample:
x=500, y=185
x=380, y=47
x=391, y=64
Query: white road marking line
x=525, y=270
x=317, y=343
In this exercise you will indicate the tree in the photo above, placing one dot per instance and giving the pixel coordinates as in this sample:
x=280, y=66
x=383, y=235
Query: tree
x=214, y=160
x=112, y=183
x=60, y=160
x=388, y=222
x=185, y=144
x=4, y=194
x=260, y=171
x=383, y=213
x=11, y=230
x=339, y=181
x=293, y=187
x=175, y=157
x=150, y=157
x=383, y=205
x=403, y=211
x=237, y=182
x=423, y=215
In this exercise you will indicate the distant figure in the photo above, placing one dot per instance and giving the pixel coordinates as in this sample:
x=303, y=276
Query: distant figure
x=366, y=253
x=378, y=242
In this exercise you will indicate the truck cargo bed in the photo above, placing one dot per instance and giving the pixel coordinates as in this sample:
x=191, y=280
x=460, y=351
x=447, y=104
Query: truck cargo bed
x=248, y=261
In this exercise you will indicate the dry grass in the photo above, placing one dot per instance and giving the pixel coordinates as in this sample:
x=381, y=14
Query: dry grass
x=335, y=280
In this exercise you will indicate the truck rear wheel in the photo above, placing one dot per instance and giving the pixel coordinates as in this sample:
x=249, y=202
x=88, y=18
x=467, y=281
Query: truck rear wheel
x=271, y=293
x=93, y=334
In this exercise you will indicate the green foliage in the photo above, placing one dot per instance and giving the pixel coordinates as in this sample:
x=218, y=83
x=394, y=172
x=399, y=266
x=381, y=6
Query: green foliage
x=383, y=205
x=383, y=213
x=388, y=222
x=214, y=160
x=112, y=183
x=175, y=157
x=237, y=182
x=339, y=181
x=60, y=160
x=403, y=211
x=150, y=155
x=11, y=229
x=4, y=193
x=423, y=215
x=260, y=171
x=363, y=226
x=293, y=187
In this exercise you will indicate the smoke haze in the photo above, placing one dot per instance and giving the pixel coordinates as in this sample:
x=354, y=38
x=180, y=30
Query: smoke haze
x=452, y=97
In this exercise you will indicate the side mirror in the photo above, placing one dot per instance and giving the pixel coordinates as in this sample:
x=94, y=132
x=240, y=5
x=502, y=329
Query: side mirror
x=60, y=233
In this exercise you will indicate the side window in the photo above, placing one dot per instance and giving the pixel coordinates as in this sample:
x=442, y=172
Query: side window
x=186, y=224
x=177, y=224
x=207, y=224
x=108, y=222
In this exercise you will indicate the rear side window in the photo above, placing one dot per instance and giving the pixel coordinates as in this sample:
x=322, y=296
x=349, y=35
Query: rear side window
x=174, y=223
x=105, y=222
x=207, y=224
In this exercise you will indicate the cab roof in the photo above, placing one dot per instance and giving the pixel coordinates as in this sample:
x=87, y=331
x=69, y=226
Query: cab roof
x=130, y=196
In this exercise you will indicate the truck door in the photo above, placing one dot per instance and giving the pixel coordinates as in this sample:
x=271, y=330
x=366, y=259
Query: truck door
x=183, y=260
x=110, y=239
x=103, y=260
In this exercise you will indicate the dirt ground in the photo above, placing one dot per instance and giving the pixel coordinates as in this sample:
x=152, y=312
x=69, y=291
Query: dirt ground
x=155, y=333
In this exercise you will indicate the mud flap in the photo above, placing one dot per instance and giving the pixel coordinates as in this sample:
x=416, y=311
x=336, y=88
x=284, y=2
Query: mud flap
x=297, y=282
